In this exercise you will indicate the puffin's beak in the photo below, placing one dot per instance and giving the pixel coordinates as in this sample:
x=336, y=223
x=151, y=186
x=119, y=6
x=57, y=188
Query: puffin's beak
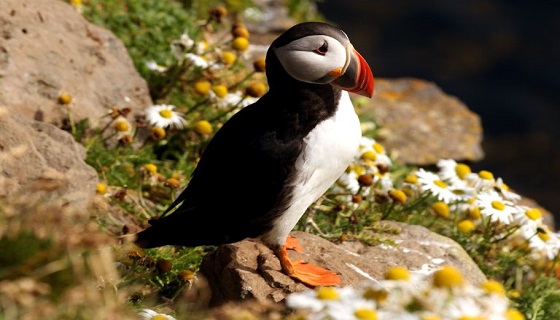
x=357, y=77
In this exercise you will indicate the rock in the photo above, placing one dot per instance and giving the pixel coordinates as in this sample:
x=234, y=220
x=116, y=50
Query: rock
x=421, y=124
x=39, y=160
x=249, y=270
x=47, y=48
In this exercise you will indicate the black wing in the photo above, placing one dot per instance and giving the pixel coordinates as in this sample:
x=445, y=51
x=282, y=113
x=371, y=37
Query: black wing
x=238, y=187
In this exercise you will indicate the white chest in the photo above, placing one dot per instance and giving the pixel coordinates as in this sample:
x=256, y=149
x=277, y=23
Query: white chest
x=329, y=149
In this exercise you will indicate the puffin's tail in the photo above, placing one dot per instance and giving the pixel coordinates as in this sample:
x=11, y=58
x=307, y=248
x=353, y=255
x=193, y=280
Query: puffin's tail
x=150, y=237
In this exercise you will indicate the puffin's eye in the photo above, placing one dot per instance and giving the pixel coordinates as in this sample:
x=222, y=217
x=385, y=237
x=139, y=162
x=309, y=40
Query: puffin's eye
x=322, y=50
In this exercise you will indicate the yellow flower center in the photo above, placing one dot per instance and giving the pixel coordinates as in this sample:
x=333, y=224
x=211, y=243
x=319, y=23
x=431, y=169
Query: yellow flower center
x=486, y=175
x=533, y=214
x=370, y=155
x=378, y=147
x=465, y=226
x=228, y=57
x=377, y=295
x=166, y=113
x=240, y=43
x=462, y=170
x=448, y=277
x=327, y=293
x=498, y=205
x=101, y=188
x=202, y=87
x=471, y=318
x=260, y=64
x=473, y=213
x=203, y=127
x=505, y=187
x=159, y=317
x=543, y=235
x=151, y=168
x=441, y=209
x=122, y=126
x=366, y=314
x=64, y=98
x=411, y=179
x=157, y=133
x=493, y=286
x=440, y=184
x=431, y=318
x=398, y=196
x=256, y=90
x=397, y=273
x=220, y=90
x=514, y=314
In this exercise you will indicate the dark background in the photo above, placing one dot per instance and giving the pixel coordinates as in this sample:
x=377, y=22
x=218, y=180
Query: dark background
x=501, y=58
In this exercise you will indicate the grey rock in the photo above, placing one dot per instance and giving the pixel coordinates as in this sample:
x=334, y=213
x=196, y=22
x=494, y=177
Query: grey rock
x=421, y=124
x=39, y=160
x=249, y=270
x=47, y=48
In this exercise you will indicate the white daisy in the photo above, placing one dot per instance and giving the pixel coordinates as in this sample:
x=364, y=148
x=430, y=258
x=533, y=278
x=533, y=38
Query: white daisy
x=483, y=180
x=545, y=242
x=163, y=116
x=495, y=207
x=453, y=173
x=152, y=65
x=231, y=99
x=503, y=188
x=198, y=61
x=148, y=314
x=431, y=182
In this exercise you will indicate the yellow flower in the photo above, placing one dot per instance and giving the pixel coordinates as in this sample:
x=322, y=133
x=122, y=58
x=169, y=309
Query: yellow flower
x=397, y=273
x=398, y=196
x=151, y=168
x=101, y=188
x=465, y=226
x=240, y=30
x=473, y=213
x=374, y=294
x=64, y=98
x=203, y=127
x=256, y=90
x=202, y=87
x=366, y=314
x=122, y=125
x=327, y=293
x=228, y=57
x=260, y=64
x=462, y=170
x=411, y=178
x=369, y=155
x=448, y=277
x=220, y=91
x=493, y=286
x=157, y=133
x=533, y=214
x=514, y=314
x=441, y=209
x=486, y=175
x=240, y=43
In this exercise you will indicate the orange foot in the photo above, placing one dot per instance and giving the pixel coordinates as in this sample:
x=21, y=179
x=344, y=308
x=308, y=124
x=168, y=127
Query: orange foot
x=307, y=273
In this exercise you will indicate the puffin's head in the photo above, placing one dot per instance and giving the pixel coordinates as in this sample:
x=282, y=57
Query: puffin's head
x=319, y=53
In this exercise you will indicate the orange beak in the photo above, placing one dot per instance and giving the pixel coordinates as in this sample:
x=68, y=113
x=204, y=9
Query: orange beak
x=357, y=77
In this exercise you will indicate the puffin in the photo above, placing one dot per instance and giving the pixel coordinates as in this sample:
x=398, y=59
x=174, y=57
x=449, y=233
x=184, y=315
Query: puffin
x=274, y=158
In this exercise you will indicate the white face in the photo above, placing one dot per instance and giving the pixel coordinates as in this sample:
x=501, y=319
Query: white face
x=313, y=58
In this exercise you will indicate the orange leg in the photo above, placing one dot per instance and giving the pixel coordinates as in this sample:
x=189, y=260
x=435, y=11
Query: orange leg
x=307, y=273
